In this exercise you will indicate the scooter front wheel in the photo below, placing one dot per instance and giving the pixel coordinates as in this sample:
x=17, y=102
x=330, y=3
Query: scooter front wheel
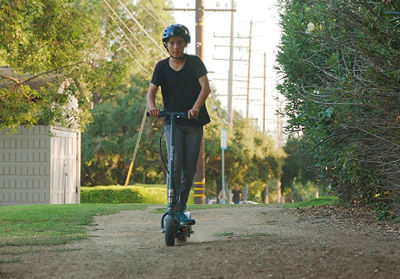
x=169, y=231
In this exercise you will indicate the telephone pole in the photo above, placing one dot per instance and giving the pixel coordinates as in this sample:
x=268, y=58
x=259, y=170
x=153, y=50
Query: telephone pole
x=248, y=71
x=199, y=181
x=199, y=177
x=200, y=28
x=230, y=72
x=265, y=90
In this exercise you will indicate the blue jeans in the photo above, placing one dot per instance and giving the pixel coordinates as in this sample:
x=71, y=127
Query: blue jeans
x=187, y=148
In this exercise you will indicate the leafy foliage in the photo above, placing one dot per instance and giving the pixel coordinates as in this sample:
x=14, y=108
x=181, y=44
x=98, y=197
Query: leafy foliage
x=340, y=68
x=82, y=42
x=251, y=157
x=297, y=170
x=39, y=38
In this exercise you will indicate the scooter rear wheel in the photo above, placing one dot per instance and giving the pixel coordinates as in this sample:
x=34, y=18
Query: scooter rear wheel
x=169, y=231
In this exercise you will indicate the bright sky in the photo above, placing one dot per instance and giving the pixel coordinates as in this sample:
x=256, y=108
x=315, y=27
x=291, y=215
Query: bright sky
x=266, y=36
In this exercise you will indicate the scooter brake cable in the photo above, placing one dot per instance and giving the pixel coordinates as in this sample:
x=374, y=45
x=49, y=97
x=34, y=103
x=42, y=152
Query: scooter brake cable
x=161, y=153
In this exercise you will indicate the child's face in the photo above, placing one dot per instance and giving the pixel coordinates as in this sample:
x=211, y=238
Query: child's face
x=176, y=46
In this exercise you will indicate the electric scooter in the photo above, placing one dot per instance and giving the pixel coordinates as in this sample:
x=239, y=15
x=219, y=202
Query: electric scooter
x=170, y=221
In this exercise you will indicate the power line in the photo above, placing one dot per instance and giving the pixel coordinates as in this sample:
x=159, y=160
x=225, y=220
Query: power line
x=123, y=32
x=141, y=27
x=124, y=24
x=155, y=15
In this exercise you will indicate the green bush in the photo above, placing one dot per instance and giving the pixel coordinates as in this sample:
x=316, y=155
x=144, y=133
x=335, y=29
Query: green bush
x=342, y=93
x=110, y=194
x=142, y=193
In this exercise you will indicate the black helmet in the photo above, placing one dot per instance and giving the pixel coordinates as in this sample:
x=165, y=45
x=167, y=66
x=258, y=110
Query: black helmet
x=174, y=30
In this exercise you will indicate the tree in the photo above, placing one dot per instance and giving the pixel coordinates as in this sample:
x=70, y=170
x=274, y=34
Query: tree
x=94, y=45
x=41, y=38
x=108, y=142
x=251, y=157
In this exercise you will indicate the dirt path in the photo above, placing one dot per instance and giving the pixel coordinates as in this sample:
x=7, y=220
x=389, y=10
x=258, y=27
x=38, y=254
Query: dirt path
x=242, y=242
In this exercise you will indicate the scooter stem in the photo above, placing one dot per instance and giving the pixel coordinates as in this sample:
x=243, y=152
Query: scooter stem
x=171, y=165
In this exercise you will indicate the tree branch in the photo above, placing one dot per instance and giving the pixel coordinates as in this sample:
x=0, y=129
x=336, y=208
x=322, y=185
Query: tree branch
x=17, y=81
x=53, y=70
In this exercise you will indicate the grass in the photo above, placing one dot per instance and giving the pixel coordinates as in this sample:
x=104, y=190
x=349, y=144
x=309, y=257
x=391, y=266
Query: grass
x=230, y=234
x=312, y=202
x=21, y=252
x=11, y=261
x=34, y=225
x=256, y=235
x=58, y=250
x=223, y=234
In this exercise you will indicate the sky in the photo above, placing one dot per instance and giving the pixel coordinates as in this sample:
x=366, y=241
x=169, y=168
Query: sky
x=266, y=36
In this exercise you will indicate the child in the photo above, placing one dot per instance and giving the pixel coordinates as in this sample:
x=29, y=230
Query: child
x=184, y=88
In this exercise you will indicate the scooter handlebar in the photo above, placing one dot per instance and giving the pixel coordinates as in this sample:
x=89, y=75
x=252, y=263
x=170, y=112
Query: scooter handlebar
x=181, y=115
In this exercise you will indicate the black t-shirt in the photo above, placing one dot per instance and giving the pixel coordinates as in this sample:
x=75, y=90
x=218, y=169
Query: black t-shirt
x=180, y=89
x=236, y=195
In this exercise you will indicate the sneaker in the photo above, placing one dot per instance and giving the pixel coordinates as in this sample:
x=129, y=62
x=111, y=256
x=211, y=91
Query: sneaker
x=185, y=218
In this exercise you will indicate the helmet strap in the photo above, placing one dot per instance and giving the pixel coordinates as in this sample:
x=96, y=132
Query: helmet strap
x=179, y=58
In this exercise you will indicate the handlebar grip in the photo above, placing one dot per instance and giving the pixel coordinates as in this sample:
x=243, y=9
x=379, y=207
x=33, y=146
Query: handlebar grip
x=182, y=115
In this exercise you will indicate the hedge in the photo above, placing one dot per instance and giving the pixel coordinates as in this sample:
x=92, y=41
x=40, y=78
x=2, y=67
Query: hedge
x=110, y=194
x=142, y=193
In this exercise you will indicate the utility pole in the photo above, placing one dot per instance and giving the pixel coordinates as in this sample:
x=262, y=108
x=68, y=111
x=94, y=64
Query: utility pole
x=199, y=177
x=248, y=71
x=200, y=28
x=230, y=79
x=265, y=90
x=230, y=72
x=199, y=181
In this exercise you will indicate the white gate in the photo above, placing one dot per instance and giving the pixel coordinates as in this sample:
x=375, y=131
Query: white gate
x=65, y=166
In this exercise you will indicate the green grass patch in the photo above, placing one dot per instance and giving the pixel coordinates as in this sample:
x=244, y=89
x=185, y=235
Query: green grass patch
x=58, y=250
x=223, y=234
x=20, y=252
x=313, y=202
x=52, y=224
x=11, y=261
x=257, y=235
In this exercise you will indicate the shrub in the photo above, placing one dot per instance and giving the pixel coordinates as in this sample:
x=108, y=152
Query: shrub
x=339, y=63
x=111, y=194
x=142, y=193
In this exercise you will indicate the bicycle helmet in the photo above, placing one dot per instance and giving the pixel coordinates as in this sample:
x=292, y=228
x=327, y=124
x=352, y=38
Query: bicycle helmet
x=174, y=30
